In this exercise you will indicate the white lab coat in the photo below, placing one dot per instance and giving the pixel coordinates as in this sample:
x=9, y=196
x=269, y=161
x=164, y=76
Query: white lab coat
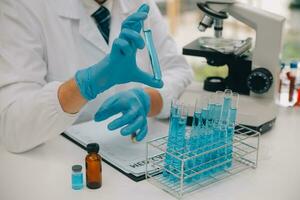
x=43, y=43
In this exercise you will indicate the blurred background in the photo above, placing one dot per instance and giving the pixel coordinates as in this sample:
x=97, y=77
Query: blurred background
x=183, y=17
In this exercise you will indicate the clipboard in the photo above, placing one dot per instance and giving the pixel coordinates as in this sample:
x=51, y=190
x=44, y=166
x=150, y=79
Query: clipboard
x=84, y=133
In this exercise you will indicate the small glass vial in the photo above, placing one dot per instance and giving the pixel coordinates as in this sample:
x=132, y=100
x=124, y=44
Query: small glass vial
x=93, y=167
x=77, y=177
x=292, y=75
x=298, y=98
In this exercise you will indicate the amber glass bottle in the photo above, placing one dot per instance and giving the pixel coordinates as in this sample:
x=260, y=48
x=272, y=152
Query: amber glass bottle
x=93, y=167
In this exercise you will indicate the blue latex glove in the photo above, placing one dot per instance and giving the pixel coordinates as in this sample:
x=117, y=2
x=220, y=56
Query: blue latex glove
x=119, y=66
x=134, y=105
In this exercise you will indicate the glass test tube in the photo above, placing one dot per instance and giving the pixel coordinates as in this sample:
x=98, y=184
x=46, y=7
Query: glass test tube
x=214, y=133
x=181, y=129
x=211, y=132
x=226, y=107
x=183, y=111
x=211, y=111
x=219, y=134
x=151, y=50
x=198, y=120
x=206, y=137
x=192, y=143
x=201, y=112
x=217, y=100
x=174, y=118
x=232, y=117
x=233, y=109
x=180, y=139
x=230, y=128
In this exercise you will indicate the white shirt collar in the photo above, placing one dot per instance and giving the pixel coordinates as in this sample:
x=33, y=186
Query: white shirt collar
x=92, y=6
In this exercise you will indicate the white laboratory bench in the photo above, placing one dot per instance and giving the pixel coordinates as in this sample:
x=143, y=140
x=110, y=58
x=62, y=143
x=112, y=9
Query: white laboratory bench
x=44, y=173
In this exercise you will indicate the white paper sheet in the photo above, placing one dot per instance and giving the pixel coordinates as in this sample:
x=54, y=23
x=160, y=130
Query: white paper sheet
x=117, y=149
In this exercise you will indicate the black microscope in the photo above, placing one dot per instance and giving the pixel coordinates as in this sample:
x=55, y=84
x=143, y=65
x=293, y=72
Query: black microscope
x=252, y=72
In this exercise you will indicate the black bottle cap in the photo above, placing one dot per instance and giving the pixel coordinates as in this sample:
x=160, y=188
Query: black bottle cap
x=92, y=148
x=76, y=168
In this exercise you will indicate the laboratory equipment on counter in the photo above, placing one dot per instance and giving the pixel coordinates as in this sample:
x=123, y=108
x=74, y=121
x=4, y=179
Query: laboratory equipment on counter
x=292, y=74
x=151, y=50
x=93, y=167
x=252, y=73
x=77, y=177
x=289, y=82
x=214, y=148
x=298, y=98
x=295, y=4
x=281, y=79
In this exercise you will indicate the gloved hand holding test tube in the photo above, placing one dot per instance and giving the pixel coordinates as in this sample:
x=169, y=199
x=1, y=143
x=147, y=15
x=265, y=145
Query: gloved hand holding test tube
x=133, y=104
x=152, y=55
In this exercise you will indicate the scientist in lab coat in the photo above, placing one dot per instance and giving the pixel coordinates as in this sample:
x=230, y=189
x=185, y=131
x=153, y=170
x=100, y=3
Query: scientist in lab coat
x=68, y=61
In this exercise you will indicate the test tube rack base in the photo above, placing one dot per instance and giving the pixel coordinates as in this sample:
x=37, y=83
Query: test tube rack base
x=184, y=180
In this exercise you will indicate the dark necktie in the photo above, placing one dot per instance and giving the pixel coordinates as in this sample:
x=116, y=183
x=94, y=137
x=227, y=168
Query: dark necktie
x=102, y=18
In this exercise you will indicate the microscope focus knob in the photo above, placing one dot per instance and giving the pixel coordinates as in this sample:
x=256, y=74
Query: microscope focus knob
x=260, y=80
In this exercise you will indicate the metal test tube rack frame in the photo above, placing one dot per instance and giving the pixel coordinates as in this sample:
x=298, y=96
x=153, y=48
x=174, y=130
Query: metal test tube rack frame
x=244, y=156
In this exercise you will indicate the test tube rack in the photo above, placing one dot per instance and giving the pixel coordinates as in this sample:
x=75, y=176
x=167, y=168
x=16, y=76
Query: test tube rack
x=184, y=180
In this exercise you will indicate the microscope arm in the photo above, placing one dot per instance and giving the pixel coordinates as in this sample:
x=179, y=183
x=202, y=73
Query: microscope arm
x=268, y=27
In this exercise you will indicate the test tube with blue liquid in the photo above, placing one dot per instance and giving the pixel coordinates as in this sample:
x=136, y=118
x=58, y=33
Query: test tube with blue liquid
x=194, y=142
x=212, y=133
x=207, y=148
x=207, y=139
x=151, y=50
x=176, y=141
x=227, y=101
x=174, y=119
x=218, y=134
x=209, y=133
x=231, y=127
x=218, y=98
x=233, y=109
x=218, y=101
x=226, y=107
x=203, y=141
x=180, y=140
x=190, y=163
